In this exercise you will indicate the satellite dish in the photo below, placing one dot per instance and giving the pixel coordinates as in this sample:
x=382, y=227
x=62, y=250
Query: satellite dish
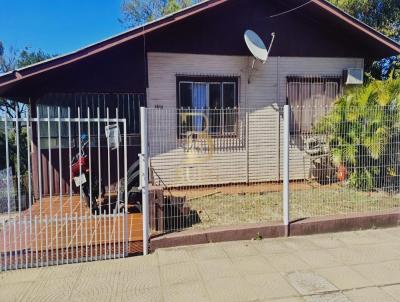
x=257, y=47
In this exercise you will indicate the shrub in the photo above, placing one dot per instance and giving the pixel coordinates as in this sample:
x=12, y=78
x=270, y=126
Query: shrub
x=363, y=134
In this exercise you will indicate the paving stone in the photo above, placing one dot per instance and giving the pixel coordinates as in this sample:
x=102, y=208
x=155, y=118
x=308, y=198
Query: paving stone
x=371, y=294
x=273, y=285
x=232, y=289
x=365, y=237
x=184, y=292
x=207, y=252
x=308, y=283
x=344, y=277
x=318, y=258
x=252, y=265
x=16, y=291
x=179, y=273
x=29, y=275
x=142, y=281
x=51, y=290
x=86, y=288
x=326, y=241
x=363, y=254
x=392, y=290
x=289, y=299
x=333, y=297
x=300, y=243
x=149, y=295
x=217, y=268
x=287, y=262
x=241, y=249
x=380, y=273
x=271, y=246
x=170, y=256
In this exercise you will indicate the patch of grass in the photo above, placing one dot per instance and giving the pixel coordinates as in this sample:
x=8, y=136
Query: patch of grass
x=225, y=209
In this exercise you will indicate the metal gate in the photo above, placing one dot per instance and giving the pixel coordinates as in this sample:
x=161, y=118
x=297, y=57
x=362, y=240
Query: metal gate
x=64, y=187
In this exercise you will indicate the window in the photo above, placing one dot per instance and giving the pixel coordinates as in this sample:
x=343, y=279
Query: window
x=207, y=104
x=52, y=141
x=310, y=99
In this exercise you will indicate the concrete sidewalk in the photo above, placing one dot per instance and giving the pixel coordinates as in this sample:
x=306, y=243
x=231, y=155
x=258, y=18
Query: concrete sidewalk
x=354, y=266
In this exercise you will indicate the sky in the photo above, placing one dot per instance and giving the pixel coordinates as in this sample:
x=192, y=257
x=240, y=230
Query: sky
x=58, y=26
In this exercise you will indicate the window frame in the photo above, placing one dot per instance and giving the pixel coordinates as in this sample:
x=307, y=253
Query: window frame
x=209, y=80
x=314, y=79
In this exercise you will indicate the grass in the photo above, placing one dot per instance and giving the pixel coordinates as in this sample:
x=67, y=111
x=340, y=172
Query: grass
x=225, y=209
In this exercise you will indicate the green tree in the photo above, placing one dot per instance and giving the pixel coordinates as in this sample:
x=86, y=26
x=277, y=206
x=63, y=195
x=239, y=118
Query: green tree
x=136, y=12
x=383, y=15
x=12, y=60
x=363, y=134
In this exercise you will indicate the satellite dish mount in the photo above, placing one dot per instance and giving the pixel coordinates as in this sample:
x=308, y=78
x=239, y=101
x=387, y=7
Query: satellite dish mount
x=257, y=48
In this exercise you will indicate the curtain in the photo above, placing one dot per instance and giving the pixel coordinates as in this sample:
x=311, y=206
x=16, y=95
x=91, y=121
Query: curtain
x=199, y=104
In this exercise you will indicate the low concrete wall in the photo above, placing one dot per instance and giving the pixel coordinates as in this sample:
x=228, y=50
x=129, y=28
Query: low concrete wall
x=328, y=224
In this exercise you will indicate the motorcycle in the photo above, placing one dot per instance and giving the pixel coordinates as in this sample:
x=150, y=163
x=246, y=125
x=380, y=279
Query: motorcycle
x=82, y=176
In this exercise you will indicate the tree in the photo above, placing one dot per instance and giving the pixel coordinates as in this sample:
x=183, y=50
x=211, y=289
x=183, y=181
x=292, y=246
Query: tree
x=383, y=15
x=9, y=62
x=136, y=12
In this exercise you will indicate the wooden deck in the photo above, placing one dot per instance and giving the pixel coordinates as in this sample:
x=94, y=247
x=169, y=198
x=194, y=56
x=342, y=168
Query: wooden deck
x=66, y=229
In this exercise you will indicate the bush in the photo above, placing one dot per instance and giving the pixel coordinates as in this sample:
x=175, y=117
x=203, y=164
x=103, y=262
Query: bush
x=363, y=134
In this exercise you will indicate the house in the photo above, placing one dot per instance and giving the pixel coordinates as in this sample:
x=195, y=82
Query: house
x=197, y=59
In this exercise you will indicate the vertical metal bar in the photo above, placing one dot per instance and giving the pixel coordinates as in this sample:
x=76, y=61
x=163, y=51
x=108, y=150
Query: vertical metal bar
x=5, y=246
x=79, y=159
x=36, y=243
x=99, y=155
x=18, y=174
x=123, y=234
x=76, y=238
x=7, y=168
x=47, y=240
x=56, y=221
x=60, y=178
x=114, y=232
x=101, y=238
x=15, y=245
x=28, y=144
x=25, y=243
x=144, y=178
x=95, y=235
x=119, y=198
x=66, y=239
x=90, y=162
x=286, y=138
x=86, y=239
x=105, y=234
x=40, y=182
x=108, y=165
x=50, y=176
x=126, y=177
x=70, y=180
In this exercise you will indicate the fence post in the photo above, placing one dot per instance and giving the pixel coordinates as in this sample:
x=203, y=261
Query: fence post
x=286, y=140
x=144, y=178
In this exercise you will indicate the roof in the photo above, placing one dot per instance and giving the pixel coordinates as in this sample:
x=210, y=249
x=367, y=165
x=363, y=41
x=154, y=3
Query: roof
x=11, y=78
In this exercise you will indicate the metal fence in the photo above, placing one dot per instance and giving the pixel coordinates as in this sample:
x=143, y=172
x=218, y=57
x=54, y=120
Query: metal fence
x=65, y=189
x=217, y=167
x=213, y=167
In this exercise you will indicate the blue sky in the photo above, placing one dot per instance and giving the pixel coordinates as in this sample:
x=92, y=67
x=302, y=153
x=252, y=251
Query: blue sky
x=58, y=26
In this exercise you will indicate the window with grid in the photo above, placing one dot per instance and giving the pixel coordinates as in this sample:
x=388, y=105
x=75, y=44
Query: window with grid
x=207, y=104
x=310, y=98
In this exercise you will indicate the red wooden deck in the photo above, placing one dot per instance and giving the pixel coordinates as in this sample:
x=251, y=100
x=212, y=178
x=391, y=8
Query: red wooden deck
x=66, y=229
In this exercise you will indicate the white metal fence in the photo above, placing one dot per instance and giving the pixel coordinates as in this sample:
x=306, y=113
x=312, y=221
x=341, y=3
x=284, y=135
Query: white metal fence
x=65, y=191
x=217, y=167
